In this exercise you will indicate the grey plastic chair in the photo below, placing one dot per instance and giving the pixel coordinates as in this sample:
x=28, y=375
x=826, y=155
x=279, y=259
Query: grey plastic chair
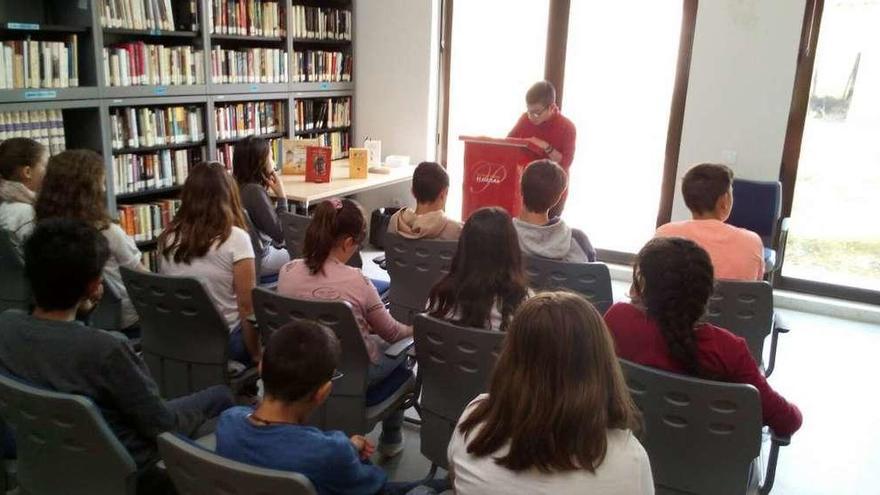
x=64, y=445
x=197, y=471
x=184, y=339
x=294, y=228
x=346, y=409
x=746, y=309
x=455, y=365
x=591, y=280
x=414, y=266
x=702, y=437
x=108, y=313
x=15, y=292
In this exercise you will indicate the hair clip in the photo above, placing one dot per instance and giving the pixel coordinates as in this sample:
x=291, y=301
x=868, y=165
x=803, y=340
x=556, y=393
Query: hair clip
x=336, y=202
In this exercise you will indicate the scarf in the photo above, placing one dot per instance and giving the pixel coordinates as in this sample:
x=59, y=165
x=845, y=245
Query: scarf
x=15, y=192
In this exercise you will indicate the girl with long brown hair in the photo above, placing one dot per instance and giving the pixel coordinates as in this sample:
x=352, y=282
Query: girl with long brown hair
x=22, y=168
x=558, y=417
x=74, y=187
x=208, y=240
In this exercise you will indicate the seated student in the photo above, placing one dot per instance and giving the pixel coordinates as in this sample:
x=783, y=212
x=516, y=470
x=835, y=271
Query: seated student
x=74, y=188
x=64, y=259
x=208, y=240
x=486, y=282
x=430, y=185
x=662, y=328
x=558, y=417
x=255, y=172
x=297, y=369
x=543, y=184
x=335, y=234
x=736, y=253
x=22, y=167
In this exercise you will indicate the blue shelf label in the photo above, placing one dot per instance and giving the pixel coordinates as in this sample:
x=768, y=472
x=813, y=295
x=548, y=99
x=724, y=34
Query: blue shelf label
x=155, y=32
x=325, y=85
x=40, y=95
x=25, y=26
x=254, y=88
x=161, y=90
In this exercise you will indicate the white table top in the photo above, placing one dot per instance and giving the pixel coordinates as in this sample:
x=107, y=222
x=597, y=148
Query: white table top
x=297, y=189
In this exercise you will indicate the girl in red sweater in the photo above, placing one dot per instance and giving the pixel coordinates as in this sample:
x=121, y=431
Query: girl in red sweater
x=662, y=328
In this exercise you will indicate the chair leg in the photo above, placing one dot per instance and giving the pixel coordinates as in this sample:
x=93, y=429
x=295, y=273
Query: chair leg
x=431, y=474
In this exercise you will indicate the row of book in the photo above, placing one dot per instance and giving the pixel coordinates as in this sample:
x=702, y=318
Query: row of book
x=145, y=222
x=227, y=150
x=165, y=168
x=141, y=127
x=320, y=66
x=141, y=64
x=249, y=65
x=321, y=23
x=247, y=17
x=326, y=113
x=31, y=64
x=45, y=126
x=337, y=141
x=245, y=119
x=145, y=15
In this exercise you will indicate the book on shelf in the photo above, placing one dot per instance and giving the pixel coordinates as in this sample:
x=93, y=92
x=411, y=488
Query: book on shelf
x=325, y=113
x=144, y=127
x=247, y=17
x=44, y=126
x=150, y=260
x=34, y=64
x=321, y=66
x=358, y=163
x=141, y=64
x=318, y=163
x=295, y=155
x=145, y=222
x=337, y=141
x=143, y=172
x=321, y=23
x=226, y=151
x=249, y=118
x=249, y=65
x=148, y=15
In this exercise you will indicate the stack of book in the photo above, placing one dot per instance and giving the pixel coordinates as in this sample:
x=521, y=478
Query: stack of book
x=321, y=23
x=145, y=222
x=45, y=126
x=326, y=113
x=317, y=65
x=139, y=64
x=30, y=64
x=249, y=65
x=226, y=151
x=246, y=17
x=142, y=127
x=144, y=172
x=147, y=15
x=251, y=118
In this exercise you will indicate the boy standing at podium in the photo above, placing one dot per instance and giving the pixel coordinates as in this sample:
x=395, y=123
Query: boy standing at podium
x=548, y=129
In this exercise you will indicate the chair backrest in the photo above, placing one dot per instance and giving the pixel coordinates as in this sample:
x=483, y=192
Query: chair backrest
x=757, y=206
x=15, y=291
x=414, y=266
x=591, y=280
x=701, y=436
x=197, y=471
x=108, y=314
x=455, y=364
x=346, y=408
x=746, y=309
x=294, y=228
x=184, y=339
x=63, y=443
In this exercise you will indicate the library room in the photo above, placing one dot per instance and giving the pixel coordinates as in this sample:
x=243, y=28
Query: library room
x=415, y=247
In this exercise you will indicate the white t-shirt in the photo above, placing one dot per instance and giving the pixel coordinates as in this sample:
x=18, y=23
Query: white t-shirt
x=214, y=271
x=624, y=471
x=123, y=252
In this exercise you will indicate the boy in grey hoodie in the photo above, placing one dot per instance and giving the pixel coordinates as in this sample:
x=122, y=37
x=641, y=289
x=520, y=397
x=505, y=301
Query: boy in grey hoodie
x=430, y=185
x=543, y=184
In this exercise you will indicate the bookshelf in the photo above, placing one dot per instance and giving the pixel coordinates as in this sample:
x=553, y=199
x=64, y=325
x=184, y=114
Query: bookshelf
x=87, y=109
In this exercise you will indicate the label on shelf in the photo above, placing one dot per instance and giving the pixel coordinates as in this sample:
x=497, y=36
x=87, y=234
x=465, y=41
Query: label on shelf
x=254, y=88
x=24, y=26
x=160, y=90
x=40, y=95
x=325, y=85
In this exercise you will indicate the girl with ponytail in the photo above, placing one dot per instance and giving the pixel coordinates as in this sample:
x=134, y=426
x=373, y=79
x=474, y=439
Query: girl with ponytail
x=663, y=327
x=335, y=234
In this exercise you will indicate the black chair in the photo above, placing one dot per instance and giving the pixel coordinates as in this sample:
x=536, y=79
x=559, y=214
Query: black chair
x=746, y=309
x=63, y=443
x=591, y=280
x=294, y=228
x=455, y=365
x=757, y=206
x=15, y=291
x=184, y=338
x=107, y=315
x=414, y=266
x=702, y=437
x=197, y=471
x=347, y=408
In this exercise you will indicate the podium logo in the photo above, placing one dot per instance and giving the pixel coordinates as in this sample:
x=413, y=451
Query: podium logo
x=487, y=174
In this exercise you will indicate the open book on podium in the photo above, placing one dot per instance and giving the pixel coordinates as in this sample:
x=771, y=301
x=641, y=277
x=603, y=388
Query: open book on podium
x=492, y=171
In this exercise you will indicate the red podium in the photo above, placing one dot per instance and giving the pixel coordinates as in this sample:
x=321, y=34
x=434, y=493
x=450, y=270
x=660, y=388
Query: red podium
x=492, y=172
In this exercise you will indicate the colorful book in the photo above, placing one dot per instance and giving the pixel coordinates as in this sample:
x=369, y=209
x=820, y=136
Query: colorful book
x=358, y=163
x=318, y=163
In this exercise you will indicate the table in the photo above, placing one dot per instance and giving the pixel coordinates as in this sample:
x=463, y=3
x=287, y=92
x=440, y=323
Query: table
x=298, y=190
